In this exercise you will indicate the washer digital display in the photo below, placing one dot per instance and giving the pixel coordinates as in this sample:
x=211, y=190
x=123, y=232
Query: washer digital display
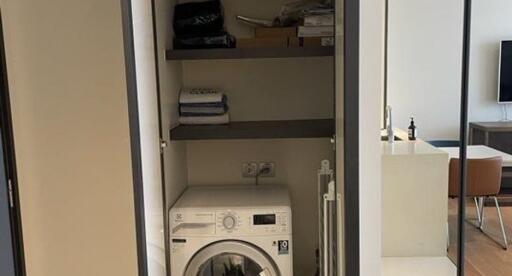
x=267, y=219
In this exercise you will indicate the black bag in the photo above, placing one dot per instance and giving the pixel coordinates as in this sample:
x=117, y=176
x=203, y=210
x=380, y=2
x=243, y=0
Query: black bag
x=198, y=18
x=218, y=40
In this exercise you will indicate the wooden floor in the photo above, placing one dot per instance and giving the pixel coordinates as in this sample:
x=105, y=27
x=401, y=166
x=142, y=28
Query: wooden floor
x=484, y=257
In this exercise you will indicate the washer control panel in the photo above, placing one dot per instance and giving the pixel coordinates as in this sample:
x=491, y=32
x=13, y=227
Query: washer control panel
x=253, y=221
x=229, y=222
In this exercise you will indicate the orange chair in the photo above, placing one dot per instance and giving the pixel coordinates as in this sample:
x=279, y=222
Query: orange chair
x=483, y=181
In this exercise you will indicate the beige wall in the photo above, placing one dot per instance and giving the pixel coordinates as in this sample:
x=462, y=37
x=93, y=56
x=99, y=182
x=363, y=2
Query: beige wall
x=66, y=74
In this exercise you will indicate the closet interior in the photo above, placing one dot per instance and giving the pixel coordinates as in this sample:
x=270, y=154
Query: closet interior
x=281, y=107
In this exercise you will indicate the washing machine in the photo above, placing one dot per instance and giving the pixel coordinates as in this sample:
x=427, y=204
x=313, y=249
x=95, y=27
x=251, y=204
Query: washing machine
x=232, y=230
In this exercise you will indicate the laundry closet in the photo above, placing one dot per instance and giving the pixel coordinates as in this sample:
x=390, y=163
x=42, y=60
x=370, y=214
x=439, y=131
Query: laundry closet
x=285, y=108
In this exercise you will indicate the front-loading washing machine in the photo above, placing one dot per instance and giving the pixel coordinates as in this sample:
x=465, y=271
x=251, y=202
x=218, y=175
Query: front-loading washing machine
x=231, y=230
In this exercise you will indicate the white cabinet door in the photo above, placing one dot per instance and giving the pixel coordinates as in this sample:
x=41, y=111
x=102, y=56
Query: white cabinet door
x=149, y=132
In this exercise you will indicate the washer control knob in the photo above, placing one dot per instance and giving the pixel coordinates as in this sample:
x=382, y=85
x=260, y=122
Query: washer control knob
x=229, y=222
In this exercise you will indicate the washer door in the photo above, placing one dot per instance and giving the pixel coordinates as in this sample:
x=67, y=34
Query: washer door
x=231, y=258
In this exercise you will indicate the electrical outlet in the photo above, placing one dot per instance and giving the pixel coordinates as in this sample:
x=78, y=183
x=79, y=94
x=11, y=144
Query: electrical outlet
x=267, y=169
x=249, y=169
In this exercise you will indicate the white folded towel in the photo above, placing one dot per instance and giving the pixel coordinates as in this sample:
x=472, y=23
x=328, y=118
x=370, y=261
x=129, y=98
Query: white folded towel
x=203, y=110
x=200, y=95
x=205, y=120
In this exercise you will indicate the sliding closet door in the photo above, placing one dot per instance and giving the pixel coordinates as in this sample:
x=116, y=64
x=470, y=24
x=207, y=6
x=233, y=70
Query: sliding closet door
x=145, y=134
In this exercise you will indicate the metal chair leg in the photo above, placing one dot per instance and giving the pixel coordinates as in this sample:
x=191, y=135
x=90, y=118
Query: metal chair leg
x=477, y=205
x=501, y=223
x=481, y=201
x=447, y=236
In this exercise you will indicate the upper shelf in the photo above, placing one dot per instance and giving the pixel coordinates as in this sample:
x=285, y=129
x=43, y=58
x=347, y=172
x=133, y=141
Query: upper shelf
x=255, y=53
x=316, y=128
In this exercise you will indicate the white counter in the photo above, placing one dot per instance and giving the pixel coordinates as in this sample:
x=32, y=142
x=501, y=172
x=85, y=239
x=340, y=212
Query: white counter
x=418, y=266
x=406, y=147
x=409, y=148
x=415, y=199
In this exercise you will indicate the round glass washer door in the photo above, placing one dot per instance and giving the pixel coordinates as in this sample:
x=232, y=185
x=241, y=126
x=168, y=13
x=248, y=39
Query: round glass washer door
x=231, y=258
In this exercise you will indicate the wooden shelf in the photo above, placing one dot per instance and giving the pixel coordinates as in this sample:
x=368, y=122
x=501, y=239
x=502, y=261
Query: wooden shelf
x=257, y=53
x=256, y=130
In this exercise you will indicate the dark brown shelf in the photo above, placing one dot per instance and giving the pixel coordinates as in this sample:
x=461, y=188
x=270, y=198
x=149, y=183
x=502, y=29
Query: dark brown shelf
x=256, y=130
x=198, y=54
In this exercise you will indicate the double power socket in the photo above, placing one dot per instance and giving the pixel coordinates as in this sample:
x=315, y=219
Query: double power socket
x=260, y=169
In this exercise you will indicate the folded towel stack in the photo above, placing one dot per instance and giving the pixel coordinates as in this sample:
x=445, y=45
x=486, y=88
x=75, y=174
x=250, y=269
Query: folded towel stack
x=203, y=107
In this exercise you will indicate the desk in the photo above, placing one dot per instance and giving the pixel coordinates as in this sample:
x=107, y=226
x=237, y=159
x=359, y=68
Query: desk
x=474, y=152
x=478, y=152
x=497, y=135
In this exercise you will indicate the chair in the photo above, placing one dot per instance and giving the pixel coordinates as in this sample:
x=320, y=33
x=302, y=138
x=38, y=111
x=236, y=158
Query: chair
x=483, y=181
x=444, y=143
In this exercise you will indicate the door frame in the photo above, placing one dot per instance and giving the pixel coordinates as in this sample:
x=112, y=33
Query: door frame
x=10, y=160
x=351, y=137
x=464, y=106
x=135, y=144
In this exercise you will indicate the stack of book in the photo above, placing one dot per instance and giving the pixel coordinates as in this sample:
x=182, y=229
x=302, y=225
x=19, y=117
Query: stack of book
x=203, y=107
x=300, y=24
x=317, y=29
x=268, y=37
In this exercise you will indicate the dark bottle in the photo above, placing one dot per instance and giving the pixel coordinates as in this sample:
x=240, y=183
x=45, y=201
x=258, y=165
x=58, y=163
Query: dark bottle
x=412, y=130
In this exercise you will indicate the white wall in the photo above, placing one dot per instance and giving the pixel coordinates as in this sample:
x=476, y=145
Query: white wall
x=424, y=65
x=491, y=23
x=371, y=81
x=428, y=86
x=66, y=75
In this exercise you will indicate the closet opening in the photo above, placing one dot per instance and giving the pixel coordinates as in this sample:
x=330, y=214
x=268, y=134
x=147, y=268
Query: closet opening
x=247, y=114
x=278, y=93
